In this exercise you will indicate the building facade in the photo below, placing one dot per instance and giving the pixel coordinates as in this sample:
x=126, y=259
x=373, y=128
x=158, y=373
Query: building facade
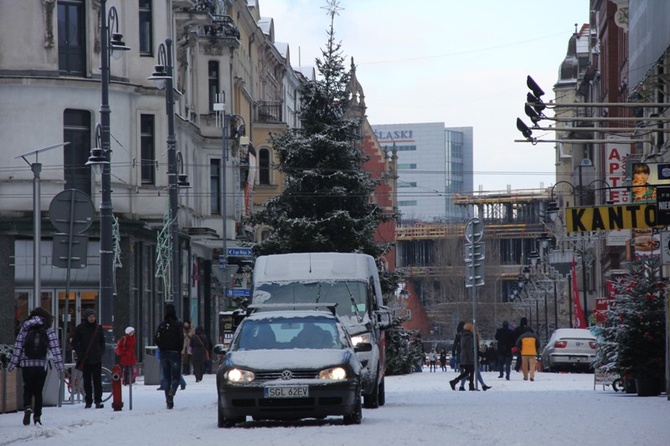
x=233, y=85
x=434, y=164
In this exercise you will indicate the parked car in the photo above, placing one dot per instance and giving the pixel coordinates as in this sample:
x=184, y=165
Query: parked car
x=569, y=349
x=289, y=365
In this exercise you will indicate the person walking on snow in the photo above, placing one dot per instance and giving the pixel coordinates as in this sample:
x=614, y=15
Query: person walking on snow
x=33, y=370
x=127, y=357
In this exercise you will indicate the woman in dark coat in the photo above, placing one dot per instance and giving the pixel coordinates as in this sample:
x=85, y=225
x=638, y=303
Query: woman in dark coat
x=200, y=352
x=467, y=357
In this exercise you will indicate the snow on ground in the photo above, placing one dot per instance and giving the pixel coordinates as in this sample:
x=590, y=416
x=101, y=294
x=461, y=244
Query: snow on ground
x=420, y=408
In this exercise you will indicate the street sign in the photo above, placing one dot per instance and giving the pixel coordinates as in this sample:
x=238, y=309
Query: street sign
x=237, y=293
x=474, y=230
x=239, y=252
x=71, y=210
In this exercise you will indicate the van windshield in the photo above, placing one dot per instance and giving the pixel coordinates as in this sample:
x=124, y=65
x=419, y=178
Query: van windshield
x=350, y=297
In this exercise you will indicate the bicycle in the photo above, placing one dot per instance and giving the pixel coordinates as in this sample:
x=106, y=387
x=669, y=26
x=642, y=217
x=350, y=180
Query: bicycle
x=72, y=378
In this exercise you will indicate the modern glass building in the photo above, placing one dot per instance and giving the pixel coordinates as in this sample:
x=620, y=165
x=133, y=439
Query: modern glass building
x=434, y=163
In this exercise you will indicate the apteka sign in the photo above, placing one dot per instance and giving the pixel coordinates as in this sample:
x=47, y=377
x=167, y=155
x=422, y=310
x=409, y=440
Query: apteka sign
x=610, y=218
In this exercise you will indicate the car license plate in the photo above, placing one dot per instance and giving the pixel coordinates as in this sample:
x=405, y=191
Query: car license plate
x=286, y=391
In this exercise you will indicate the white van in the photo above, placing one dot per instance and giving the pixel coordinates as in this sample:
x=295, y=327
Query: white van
x=349, y=280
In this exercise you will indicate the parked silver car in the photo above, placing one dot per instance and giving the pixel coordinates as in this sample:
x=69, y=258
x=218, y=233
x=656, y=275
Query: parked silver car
x=569, y=349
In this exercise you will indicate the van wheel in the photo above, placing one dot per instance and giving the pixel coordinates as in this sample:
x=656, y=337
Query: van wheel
x=382, y=393
x=372, y=401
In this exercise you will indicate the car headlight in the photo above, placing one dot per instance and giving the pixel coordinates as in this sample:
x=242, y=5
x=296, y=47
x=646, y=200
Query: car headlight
x=333, y=373
x=363, y=337
x=239, y=375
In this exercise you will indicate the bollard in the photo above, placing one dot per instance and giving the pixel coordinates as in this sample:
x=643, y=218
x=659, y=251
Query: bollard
x=117, y=404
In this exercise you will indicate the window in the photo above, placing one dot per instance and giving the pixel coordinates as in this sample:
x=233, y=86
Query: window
x=409, y=166
x=71, y=37
x=264, y=167
x=215, y=186
x=148, y=149
x=77, y=131
x=146, y=34
x=213, y=82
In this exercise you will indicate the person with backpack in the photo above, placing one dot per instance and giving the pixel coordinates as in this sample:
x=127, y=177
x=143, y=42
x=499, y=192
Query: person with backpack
x=89, y=344
x=169, y=338
x=36, y=337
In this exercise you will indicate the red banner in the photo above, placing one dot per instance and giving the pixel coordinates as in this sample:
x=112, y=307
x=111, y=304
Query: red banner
x=580, y=322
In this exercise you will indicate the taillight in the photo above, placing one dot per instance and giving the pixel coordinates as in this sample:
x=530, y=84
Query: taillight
x=560, y=344
x=592, y=344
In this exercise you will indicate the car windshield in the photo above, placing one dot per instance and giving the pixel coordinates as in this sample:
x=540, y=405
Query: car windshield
x=288, y=333
x=350, y=297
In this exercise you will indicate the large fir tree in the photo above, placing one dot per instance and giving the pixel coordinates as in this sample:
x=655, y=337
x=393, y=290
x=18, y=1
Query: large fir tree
x=325, y=204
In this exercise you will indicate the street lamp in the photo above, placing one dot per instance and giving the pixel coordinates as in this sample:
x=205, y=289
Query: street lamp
x=100, y=160
x=162, y=77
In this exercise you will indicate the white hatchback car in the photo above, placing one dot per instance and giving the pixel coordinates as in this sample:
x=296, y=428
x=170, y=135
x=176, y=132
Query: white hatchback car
x=569, y=349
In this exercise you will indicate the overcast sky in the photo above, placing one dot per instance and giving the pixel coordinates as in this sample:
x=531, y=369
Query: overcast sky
x=463, y=63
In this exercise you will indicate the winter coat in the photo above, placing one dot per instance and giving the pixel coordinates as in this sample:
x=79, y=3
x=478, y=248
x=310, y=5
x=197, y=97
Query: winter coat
x=506, y=340
x=467, y=354
x=188, y=334
x=82, y=338
x=127, y=345
x=18, y=356
x=175, y=341
x=528, y=344
x=199, y=347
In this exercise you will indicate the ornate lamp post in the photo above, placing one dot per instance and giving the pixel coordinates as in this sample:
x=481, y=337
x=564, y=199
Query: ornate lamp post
x=162, y=76
x=110, y=44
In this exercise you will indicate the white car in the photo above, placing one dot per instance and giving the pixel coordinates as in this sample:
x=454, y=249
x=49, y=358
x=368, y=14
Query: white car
x=569, y=349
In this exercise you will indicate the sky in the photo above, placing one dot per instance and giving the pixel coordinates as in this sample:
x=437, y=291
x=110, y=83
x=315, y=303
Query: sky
x=556, y=409
x=463, y=63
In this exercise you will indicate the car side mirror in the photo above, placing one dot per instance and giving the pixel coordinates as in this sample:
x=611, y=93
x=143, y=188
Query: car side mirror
x=219, y=349
x=383, y=318
x=363, y=347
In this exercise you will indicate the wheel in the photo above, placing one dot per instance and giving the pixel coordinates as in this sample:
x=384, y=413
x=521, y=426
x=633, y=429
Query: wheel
x=106, y=384
x=228, y=422
x=372, y=401
x=382, y=393
x=356, y=416
x=617, y=385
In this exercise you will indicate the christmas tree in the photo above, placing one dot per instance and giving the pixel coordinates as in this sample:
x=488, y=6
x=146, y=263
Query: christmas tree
x=326, y=203
x=633, y=338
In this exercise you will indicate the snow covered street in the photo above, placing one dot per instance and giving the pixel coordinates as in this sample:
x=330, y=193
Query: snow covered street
x=420, y=409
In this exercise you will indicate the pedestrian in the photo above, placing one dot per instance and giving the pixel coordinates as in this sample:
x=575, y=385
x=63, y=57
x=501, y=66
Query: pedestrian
x=36, y=336
x=125, y=349
x=443, y=360
x=200, y=352
x=491, y=357
x=506, y=341
x=478, y=375
x=518, y=331
x=528, y=346
x=466, y=358
x=186, y=353
x=432, y=361
x=89, y=345
x=169, y=338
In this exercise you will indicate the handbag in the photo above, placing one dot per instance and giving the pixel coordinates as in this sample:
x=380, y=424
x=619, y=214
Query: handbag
x=117, y=350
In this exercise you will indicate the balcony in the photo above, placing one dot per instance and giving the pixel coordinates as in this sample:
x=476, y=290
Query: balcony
x=269, y=112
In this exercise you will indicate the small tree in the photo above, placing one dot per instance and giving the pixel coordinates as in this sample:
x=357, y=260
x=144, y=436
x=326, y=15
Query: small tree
x=633, y=338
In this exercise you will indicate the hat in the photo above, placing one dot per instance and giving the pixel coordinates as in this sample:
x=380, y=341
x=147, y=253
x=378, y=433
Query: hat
x=129, y=330
x=89, y=312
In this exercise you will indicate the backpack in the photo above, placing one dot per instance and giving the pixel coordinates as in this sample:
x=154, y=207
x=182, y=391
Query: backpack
x=37, y=342
x=168, y=336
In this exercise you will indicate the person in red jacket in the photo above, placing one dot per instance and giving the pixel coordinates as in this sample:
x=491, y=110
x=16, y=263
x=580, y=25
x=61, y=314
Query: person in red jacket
x=125, y=348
